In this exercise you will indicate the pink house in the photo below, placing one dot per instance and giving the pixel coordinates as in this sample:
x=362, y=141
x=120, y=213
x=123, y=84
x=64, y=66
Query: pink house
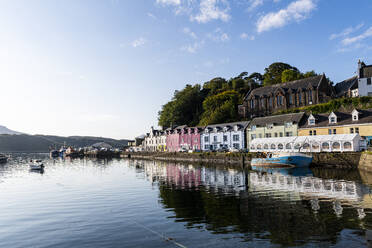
x=183, y=137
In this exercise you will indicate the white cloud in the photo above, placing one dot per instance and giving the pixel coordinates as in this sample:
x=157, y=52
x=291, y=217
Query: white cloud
x=190, y=33
x=295, y=11
x=194, y=47
x=346, y=32
x=253, y=4
x=351, y=40
x=245, y=36
x=169, y=2
x=152, y=16
x=212, y=10
x=138, y=42
x=219, y=36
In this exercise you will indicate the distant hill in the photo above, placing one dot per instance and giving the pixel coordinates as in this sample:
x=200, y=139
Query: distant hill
x=43, y=143
x=5, y=130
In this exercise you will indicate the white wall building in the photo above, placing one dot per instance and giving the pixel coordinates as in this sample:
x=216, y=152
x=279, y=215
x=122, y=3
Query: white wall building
x=155, y=141
x=226, y=135
x=319, y=143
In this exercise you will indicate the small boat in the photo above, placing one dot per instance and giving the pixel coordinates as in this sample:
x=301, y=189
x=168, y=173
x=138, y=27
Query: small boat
x=3, y=158
x=54, y=154
x=283, y=159
x=37, y=165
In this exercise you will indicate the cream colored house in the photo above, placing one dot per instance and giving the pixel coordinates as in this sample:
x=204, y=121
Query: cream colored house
x=274, y=126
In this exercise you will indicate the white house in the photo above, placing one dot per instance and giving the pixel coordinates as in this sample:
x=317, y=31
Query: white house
x=364, y=79
x=226, y=135
x=155, y=141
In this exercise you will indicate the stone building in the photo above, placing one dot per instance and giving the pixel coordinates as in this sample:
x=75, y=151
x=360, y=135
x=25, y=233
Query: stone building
x=264, y=101
x=364, y=79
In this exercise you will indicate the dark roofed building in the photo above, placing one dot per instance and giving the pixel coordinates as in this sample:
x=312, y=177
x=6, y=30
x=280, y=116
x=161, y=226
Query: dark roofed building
x=347, y=88
x=267, y=100
x=364, y=79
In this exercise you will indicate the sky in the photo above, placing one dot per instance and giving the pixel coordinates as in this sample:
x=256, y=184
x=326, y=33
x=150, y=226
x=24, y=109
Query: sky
x=105, y=67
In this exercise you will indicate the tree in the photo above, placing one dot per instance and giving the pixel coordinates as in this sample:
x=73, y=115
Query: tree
x=184, y=108
x=220, y=108
x=290, y=75
x=310, y=74
x=273, y=74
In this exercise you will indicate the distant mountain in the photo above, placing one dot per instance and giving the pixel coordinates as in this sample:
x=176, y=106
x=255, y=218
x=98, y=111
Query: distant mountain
x=5, y=130
x=43, y=143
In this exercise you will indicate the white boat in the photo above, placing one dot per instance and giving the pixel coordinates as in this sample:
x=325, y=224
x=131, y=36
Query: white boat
x=37, y=165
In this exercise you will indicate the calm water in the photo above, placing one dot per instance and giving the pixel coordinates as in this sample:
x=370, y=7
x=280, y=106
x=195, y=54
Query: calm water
x=123, y=203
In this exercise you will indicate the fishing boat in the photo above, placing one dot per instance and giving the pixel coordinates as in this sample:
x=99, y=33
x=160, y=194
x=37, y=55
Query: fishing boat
x=37, y=165
x=283, y=159
x=3, y=158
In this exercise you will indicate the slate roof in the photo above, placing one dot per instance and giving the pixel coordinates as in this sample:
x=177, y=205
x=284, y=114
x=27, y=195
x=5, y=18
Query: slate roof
x=241, y=125
x=343, y=118
x=342, y=87
x=277, y=119
x=296, y=85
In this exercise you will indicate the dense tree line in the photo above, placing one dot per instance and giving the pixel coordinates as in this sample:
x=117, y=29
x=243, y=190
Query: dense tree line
x=217, y=100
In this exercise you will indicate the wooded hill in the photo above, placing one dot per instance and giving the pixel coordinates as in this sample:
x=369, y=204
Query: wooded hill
x=43, y=143
x=217, y=100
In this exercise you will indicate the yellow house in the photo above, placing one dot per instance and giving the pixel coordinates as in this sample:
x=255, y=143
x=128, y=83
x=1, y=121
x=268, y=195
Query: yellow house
x=358, y=121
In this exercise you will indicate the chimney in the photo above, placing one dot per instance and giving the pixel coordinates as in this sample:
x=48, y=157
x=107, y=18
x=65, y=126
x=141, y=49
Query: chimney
x=360, y=66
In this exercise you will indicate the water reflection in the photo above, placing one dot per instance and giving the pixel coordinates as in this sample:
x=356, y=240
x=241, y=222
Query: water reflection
x=289, y=206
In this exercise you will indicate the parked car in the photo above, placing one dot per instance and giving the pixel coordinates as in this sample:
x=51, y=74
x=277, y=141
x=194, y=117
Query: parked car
x=233, y=149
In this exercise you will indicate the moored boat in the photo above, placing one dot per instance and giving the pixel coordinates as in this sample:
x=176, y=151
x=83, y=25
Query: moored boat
x=3, y=158
x=283, y=159
x=37, y=165
x=54, y=154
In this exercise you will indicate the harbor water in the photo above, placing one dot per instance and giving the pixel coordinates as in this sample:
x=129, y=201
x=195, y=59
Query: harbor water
x=143, y=203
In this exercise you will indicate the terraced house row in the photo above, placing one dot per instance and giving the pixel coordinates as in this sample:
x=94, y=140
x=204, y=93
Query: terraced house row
x=239, y=136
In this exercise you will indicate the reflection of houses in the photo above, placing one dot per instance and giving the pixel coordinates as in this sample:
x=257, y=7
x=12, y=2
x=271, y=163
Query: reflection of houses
x=358, y=121
x=273, y=126
x=226, y=135
x=267, y=100
x=308, y=186
x=319, y=143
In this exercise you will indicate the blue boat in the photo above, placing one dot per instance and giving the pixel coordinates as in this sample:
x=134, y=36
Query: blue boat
x=283, y=159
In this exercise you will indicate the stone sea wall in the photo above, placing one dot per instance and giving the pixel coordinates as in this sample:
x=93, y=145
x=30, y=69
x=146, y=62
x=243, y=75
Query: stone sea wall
x=349, y=160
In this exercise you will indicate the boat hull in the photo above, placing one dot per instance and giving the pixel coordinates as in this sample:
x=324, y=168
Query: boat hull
x=284, y=161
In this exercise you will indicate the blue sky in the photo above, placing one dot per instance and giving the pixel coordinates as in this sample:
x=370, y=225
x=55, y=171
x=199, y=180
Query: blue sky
x=104, y=68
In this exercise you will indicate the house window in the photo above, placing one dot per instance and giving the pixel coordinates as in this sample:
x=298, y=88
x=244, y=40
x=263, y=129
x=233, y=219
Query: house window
x=311, y=132
x=276, y=135
x=270, y=126
x=206, y=147
x=271, y=102
x=288, y=124
x=314, y=132
x=236, y=145
x=311, y=121
x=224, y=138
x=334, y=131
x=299, y=98
x=252, y=104
x=268, y=135
x=253, y=128
x=332, y=120
x=206, y=139
x=310, y=96
x=357, y=130
x=253, y=136
x=290, y=100
x=369, y=93
x=215, y=138
x=351, y=130
x=329, y=131
x=355, y=117
x=288, y=134
x=280, y=134
x=235, y=137
x=368, y=81
x=260, y=135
